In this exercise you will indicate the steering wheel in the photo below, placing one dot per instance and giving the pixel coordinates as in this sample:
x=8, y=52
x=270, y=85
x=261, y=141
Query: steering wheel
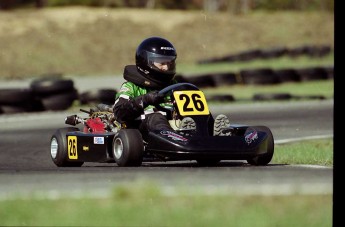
x=168, y=91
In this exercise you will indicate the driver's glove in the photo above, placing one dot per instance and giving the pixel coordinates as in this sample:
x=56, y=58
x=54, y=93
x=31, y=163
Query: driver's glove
x=151, y=98
x=128, y=110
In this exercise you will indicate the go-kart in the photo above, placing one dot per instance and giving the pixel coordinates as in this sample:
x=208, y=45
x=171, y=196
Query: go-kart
x=104, y=140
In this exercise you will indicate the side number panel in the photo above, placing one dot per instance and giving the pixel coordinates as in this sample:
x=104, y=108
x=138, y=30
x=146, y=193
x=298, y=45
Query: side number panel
x=72, y=147
x=191, y=103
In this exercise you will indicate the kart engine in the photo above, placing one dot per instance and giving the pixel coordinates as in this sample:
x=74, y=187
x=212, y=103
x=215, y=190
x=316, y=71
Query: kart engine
x=98, y=121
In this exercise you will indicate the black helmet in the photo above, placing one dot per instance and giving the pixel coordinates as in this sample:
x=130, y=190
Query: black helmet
x=151, y=53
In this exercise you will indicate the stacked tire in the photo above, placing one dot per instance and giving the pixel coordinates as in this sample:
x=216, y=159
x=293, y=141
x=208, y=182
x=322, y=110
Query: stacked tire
x=50, y=93
x=105, y=96
x=46, y=93
x=54, y=93
x=201, y=81
x=262, y=76
x=16, y=100
x=313, y=51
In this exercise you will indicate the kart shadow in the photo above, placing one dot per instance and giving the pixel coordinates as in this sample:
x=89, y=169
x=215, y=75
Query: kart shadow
x=192, y=164
x=195, y=164
x=182, y=164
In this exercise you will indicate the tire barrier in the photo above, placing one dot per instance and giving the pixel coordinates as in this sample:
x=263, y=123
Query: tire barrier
x=57, y=93
x=275, y=52
x=49, y=86
x=248, y=55
x=271, y=96
x=310, y=51
x=16, y=100
x=220, y=98
x=330, y=72
x=225, y=79
x=106, y=96
x=15, y=95
x=314, y=73
x=201, y=81
x=60, y=101
x=259, y=76
x=50, y=93
x=287, y=75
x=262, y=97
x=53, y=92
x=180, y=78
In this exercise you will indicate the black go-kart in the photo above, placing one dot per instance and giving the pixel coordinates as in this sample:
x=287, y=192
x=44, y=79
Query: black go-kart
x=102, y=139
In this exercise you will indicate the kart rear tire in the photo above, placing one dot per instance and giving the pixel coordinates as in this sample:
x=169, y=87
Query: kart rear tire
x=58, y=148
x=128, y=148
x=263, y=160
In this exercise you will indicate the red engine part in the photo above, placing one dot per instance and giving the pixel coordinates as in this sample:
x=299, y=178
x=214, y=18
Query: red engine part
x=94, y=125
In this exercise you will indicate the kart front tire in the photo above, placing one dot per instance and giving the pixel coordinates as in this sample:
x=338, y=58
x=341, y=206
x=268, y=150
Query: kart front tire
x=58, y=148
x=128, y=148
x=263, y=160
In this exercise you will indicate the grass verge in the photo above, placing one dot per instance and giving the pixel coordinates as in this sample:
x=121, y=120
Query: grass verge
x=312, y=152
x=147, y=206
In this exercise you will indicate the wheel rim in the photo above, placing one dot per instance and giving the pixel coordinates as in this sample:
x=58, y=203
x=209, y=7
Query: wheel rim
x=118, y=148
x=54, y=147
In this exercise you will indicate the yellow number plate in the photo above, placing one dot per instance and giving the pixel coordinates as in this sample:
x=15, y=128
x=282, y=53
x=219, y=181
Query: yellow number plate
x=191, y=103
x=72, y=147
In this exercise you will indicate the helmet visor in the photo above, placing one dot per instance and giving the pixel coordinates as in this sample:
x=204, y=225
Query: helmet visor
x=161, y=63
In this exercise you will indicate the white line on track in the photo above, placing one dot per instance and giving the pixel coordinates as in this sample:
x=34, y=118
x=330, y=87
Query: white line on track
x=291, y=140
x=171, y=191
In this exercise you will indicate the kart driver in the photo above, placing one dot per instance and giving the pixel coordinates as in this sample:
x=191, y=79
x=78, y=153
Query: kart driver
x=154, y=70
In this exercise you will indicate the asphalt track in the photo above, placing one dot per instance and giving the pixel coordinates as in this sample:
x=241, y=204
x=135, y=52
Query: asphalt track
x=26, y=168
